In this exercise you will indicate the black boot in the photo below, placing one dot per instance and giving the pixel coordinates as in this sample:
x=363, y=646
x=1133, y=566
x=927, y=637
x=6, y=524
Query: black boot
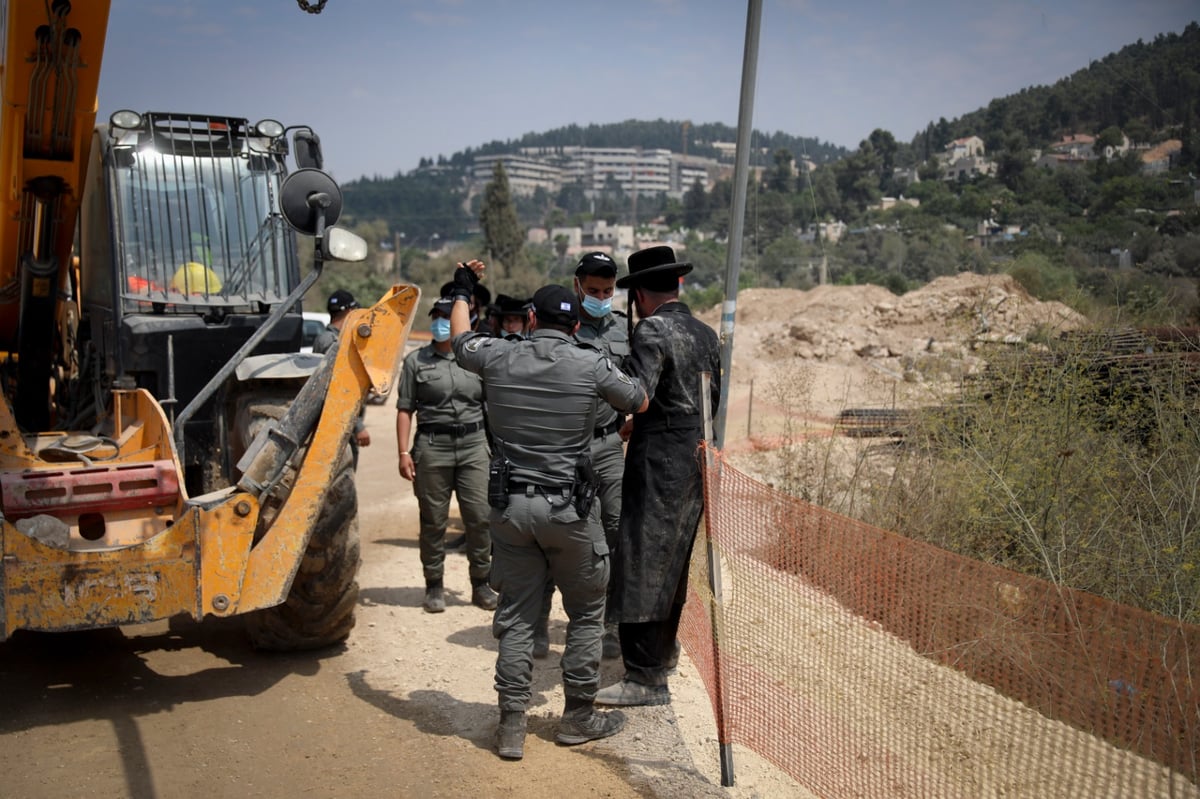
x=581, y=723
x=435, y=597
x=482, y=595
x=510, y=735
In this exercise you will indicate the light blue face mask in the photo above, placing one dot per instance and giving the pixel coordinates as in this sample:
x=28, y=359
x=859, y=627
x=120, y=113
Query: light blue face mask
x=595, y=308
x=440, y=329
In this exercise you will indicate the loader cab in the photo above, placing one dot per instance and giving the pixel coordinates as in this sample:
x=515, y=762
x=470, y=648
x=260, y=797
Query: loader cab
x=184, y=253
x=182, y=240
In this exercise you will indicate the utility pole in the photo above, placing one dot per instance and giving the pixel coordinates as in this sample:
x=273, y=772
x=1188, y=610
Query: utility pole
x=737, y=216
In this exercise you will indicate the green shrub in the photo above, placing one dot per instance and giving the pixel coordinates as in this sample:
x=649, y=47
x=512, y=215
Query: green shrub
x=1075, y=465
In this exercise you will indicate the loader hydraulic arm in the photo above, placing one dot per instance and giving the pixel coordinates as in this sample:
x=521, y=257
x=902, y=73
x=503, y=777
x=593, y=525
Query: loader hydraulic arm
x=47, y=110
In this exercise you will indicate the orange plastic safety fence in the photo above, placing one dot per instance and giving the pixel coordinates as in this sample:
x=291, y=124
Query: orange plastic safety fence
x=866, y=664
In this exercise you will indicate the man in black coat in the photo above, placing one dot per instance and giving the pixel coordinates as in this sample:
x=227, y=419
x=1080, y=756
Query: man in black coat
x=662, y=491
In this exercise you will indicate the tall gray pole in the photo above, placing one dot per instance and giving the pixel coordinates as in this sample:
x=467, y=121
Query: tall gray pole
x=737, y=216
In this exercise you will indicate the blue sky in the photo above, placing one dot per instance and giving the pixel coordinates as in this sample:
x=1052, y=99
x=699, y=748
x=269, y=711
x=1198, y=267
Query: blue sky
x=385, y=82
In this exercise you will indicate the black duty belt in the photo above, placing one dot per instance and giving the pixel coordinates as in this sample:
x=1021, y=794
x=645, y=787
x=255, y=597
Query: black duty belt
x=515, y=487
x=457, y=430
x=659, y=423
x=609, y=429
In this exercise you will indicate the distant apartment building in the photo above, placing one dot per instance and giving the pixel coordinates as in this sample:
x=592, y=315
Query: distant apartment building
x=636, y=171
x=687, y=169
x=525, y=174
x=646, y=172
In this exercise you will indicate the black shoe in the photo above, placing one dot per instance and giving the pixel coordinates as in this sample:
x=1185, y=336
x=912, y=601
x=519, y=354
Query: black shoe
x=510, y=735
x=631, y=694
x=585, y=724
x=456, y=542
x=435, y=598
x=482, y=596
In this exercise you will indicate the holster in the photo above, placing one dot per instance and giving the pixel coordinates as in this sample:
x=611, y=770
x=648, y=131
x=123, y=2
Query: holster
x=497, y=489
x=583, y=490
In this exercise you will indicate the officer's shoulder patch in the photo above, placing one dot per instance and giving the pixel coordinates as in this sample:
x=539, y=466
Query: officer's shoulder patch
x=474, y=344
x=624, y=378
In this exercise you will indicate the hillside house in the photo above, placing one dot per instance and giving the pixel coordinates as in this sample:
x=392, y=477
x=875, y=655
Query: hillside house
x=967, y=147
x=965, y=158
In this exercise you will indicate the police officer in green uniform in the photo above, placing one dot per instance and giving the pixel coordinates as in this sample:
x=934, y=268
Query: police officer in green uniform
x=608, y=331
x=450, y=454
x=542, y=411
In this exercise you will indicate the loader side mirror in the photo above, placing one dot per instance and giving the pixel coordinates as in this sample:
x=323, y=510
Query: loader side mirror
x=306, y=195
x=307, y=146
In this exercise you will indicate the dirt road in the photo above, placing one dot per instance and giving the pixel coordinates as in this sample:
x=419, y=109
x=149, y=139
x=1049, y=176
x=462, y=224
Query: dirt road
x=405, y=709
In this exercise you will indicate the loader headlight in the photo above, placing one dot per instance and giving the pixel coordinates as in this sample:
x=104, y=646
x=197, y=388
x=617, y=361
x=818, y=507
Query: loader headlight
x=125, y=120
x=269, y=128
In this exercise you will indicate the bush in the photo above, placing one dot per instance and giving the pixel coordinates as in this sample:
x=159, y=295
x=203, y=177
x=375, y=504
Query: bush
x=1076, y=466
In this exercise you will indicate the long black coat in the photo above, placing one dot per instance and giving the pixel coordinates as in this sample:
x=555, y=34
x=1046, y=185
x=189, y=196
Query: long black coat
x=662, y=494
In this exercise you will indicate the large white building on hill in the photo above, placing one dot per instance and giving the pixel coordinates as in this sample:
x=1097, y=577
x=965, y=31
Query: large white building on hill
x=646, y=172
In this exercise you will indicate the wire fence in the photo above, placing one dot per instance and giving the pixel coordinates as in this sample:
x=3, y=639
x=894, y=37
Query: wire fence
x=865, y=664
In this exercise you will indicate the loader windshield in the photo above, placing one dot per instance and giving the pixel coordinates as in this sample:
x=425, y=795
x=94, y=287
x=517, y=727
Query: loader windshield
x=199, y=228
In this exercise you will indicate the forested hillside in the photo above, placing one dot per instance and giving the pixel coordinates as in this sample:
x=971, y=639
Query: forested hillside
x=667, y=135
x=1105, y=231
x=1142, y=89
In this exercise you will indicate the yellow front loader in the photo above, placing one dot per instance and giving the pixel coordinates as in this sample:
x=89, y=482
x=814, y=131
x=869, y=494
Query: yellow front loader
x=165, y=448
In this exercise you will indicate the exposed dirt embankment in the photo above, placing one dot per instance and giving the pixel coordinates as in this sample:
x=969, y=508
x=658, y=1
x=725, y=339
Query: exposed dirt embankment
x=863, y=345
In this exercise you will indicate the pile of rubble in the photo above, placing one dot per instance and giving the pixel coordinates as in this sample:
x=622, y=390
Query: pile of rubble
x=840, y=332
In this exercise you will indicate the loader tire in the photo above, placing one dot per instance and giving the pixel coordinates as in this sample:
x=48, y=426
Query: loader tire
x=319, y=609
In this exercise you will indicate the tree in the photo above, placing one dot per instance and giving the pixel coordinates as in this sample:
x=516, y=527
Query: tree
x=1109, y=137
x=781, y=178
x=561, y=245
x=502, y=233
x=885, y=145
x=695, y=206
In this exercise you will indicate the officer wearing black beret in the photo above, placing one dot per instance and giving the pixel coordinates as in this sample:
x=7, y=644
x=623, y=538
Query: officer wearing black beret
x=542, y=396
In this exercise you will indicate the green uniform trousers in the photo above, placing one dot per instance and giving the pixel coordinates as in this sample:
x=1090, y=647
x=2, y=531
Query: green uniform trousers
x=608, y=462
x=446, y=464
x=539, y=537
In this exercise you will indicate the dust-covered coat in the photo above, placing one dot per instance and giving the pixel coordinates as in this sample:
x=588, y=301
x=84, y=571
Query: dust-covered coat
x=662, y=492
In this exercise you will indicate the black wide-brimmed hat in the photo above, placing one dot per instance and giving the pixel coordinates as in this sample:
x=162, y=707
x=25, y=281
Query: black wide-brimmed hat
x=653, y=267
x=509, y=306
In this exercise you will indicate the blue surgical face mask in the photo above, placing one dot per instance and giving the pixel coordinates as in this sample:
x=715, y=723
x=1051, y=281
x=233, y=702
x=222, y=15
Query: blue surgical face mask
x=440, y=329
x=595, y=308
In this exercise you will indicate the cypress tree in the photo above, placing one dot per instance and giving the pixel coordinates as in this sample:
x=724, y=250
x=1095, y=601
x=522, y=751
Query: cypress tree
x=502, y=232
